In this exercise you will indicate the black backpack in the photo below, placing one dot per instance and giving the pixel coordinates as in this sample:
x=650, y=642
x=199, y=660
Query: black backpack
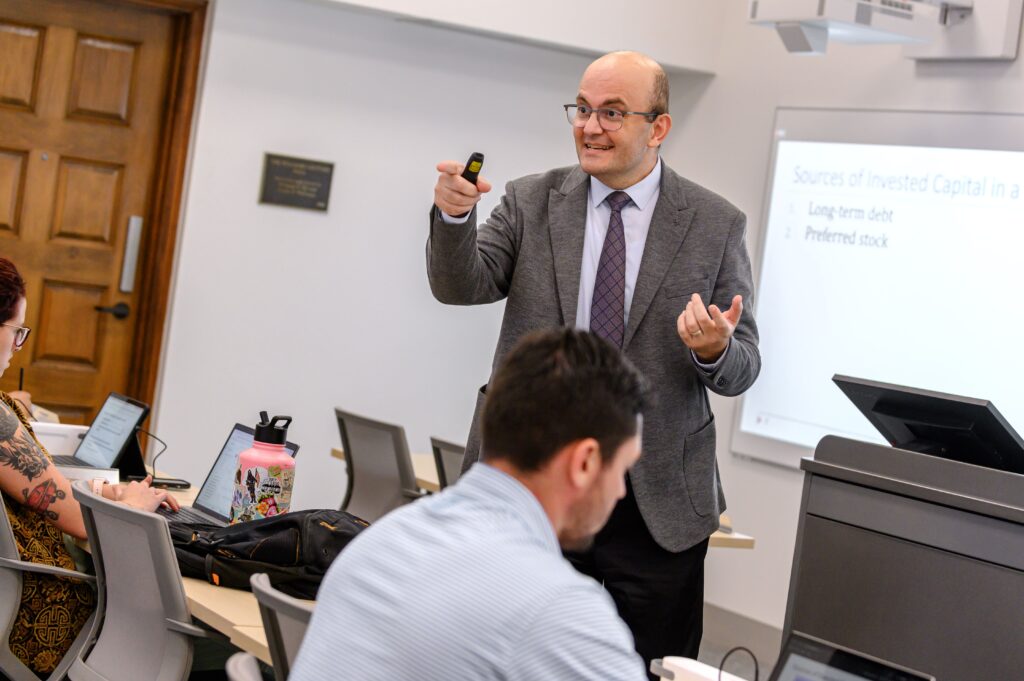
x=294, y=549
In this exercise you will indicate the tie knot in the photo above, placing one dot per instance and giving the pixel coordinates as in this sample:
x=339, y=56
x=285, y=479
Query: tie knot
x=618, y=200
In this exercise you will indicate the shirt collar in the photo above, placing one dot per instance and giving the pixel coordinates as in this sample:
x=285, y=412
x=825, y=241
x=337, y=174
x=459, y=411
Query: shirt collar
x=641, y=193
x=494, y=485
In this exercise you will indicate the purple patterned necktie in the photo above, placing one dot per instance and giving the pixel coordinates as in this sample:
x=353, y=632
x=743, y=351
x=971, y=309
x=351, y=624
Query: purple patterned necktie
x=608, y=309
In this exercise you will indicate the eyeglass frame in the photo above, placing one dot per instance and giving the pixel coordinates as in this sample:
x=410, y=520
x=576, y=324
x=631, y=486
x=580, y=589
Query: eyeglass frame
x=20, y=329
x=650, y=115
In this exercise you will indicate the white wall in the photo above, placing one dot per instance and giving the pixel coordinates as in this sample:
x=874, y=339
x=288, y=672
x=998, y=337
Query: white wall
x=298, y=312
x=680, y=34
x=725, y=145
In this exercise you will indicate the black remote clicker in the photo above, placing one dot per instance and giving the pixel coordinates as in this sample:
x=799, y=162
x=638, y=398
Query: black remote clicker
x=473, y=166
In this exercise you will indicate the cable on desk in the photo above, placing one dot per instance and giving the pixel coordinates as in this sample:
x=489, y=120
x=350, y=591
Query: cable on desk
x=721, y=666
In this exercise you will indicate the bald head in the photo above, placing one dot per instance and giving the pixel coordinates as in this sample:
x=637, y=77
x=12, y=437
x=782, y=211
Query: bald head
x=639, y=66
x=621, y=150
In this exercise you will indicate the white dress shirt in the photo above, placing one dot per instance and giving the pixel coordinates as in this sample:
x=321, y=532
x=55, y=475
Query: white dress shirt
x=636, y=222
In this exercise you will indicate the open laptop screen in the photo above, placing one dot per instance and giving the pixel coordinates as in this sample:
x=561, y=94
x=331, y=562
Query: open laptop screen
x=111, y=431
x=214, y=497
x=806, y=658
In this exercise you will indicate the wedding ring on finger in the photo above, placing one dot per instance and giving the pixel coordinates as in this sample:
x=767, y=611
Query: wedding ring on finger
x=698, y=332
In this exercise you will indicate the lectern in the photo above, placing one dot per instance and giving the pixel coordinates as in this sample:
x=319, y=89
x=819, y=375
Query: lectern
x=914, y=552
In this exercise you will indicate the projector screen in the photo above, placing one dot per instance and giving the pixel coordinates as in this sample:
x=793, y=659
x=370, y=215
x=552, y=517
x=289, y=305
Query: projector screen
x=892, y=249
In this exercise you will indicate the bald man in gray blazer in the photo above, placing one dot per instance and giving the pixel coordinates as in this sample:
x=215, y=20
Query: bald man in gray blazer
x=624, y=246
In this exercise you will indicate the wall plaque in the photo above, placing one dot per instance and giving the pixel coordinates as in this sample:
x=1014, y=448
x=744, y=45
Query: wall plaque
x=296, y=182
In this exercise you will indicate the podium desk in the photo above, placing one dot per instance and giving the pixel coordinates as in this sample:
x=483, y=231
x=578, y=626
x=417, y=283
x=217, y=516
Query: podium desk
x=911, y=558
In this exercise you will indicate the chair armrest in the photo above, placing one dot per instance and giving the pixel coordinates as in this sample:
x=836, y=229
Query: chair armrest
x=38, y=568
x=414, y=493
x=189, y=629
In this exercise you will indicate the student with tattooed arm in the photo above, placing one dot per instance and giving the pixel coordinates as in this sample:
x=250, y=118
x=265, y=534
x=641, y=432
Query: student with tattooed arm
x=41, y=509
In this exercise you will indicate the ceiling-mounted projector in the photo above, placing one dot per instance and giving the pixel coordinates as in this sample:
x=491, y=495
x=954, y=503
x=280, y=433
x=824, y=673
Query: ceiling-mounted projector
x=931, y=29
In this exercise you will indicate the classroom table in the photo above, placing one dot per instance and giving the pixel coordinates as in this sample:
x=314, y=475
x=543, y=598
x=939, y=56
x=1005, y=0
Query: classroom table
x=236, y=614
x=231, y=612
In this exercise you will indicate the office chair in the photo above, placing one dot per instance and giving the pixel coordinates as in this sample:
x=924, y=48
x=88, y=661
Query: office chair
x=243, y=667
x=145, y=630
x=284, y=620
x=11, y=569
x=448, y=458
x=380, y=474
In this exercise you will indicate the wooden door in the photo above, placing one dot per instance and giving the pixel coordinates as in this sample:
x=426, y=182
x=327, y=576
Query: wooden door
x=83, y=94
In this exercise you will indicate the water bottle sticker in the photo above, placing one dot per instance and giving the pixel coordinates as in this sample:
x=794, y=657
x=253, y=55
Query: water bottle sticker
x=261, y=493
x=270, y=486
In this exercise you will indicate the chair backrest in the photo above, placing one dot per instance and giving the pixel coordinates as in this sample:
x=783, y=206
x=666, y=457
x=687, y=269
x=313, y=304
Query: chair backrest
x=10, y=600
x=11, y=570
x=243, y=667
x=380, y=474
x=284, y=620
x=448, y=458
x=140, y=593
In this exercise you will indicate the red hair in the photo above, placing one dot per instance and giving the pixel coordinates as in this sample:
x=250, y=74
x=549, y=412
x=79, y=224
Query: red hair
x=12, y=289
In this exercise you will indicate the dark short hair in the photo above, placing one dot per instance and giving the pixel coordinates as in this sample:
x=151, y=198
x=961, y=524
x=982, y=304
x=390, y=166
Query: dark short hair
x=555, y=388
x=12, y=289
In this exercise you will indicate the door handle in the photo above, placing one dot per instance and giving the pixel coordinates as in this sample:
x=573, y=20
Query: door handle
x=120, y=311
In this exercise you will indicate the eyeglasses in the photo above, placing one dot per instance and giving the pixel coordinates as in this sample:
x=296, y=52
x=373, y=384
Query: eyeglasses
x=20, y=334
x=609, y=119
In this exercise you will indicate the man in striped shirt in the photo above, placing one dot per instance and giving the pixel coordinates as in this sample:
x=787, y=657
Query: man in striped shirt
x=471, y=583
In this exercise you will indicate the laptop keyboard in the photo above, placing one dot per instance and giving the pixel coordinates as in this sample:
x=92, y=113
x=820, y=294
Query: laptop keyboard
x=187, y=515
x=66, y=461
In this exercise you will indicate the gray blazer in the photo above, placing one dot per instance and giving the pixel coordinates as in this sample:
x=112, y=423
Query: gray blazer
x=530, y=251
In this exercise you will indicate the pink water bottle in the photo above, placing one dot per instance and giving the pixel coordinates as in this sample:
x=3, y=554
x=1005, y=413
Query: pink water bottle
x=265, y=474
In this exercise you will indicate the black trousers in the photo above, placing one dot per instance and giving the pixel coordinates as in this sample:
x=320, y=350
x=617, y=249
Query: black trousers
x=659, y=594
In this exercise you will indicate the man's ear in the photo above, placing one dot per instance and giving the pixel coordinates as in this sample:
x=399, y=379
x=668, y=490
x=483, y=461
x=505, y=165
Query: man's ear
x=584, y=463
x=659, y=130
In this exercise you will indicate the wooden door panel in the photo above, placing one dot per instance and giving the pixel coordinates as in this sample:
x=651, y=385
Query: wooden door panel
x=102, y=78
x=12, y=188
x=22, y=47
x=83, y=86
x=87, y=201
x=69, y=330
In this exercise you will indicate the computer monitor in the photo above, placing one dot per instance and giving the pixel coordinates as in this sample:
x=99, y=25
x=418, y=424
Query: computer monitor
x=948, y=426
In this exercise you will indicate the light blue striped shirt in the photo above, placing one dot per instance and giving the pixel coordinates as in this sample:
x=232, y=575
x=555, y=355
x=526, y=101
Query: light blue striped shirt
x=466, y=584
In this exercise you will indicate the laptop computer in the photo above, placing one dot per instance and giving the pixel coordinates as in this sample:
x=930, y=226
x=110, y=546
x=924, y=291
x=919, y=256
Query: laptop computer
x=110, y=436
x=806, y=658
x=212, y=505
